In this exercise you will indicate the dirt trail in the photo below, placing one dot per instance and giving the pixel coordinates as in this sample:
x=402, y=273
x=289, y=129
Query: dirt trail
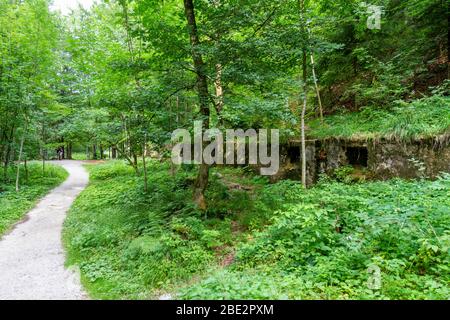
x=32, y=255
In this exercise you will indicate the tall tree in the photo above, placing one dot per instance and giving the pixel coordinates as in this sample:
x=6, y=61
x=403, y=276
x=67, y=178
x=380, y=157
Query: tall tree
x=201, y=182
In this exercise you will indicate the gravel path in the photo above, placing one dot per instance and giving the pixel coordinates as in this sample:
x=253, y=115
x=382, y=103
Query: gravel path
x=32, y=255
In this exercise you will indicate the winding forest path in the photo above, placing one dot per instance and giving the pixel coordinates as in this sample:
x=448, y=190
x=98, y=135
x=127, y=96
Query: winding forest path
x=32, y=255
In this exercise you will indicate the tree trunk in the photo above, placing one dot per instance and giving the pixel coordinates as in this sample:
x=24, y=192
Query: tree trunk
x=317, y=87
x=114, y=152
x=69, y=151
x=43, y=148
x=303, y=141
x=43, y=164
x=304, y=65
x=219, y=91
x=135, y=159
x=26, y=170
x=20, y=156
x=8, y=154
x=125, y=155
x=201, y=182
x=144, y=163
x=177, y=112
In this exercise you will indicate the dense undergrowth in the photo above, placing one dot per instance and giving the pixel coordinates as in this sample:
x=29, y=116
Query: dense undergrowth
x=13, y=205
x=130, y=244
x=259, y=240
x=424, y=118
x=331, y=241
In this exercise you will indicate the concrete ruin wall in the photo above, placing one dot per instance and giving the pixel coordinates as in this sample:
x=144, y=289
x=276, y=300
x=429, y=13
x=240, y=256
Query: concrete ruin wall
x=381, y=159
x=396, y=160
x=290, y=162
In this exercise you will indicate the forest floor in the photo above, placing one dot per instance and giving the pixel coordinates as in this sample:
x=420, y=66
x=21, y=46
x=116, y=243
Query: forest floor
x=258, y=240
x=32, y=256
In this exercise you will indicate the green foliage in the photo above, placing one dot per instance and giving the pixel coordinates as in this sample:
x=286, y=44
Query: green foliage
x=424, y=118
x=111, y=170
x=129, y=243
x=289, y=243
x=343, y=173
x=322, y=241
x=13, y=205
x=119, y=76
x=28, y=75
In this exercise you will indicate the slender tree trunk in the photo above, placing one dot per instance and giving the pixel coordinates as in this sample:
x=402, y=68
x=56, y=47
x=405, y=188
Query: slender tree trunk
x=127, y=138
x=8, y=153
x=135, y=159
x=317, y=87
x=20, y=155
x=26, y=170
x=2, y=142
x=13, y=150
x=219, y=91
x=177, y=112
x=69, y=150
x=144, y=163
x=43, y=149
x=303, y=142
x=169, y=102
x=125, y=155
x=43, y=165
x=304, y=78
x=172, y=165
x=201, y=182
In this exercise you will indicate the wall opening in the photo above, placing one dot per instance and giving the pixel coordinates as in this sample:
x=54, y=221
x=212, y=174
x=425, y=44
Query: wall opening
x=294, y=154
x=357, y=156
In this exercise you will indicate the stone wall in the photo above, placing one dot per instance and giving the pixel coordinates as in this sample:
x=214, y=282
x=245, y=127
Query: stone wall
x=380, y=160
x=290, y=162
x=377, y=160
x=412, y=160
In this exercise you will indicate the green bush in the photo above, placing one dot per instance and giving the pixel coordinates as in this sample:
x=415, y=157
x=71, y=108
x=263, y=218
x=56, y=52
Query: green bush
x=110, y=170
x=322, y=241
x=129, y=243
x=13, y=205
x=278, y=240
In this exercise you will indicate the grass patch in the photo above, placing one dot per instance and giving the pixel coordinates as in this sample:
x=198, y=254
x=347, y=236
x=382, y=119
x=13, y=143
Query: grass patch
x=79, y=156
x=14, y=205
x=322, y=244
x=424, y=118
x=131, y=244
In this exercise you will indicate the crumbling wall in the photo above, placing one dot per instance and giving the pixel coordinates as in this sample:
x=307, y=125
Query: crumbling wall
x=379, y=159
x=376, y=160
x=333, y=154
x=411, y=160
x=290, y=162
